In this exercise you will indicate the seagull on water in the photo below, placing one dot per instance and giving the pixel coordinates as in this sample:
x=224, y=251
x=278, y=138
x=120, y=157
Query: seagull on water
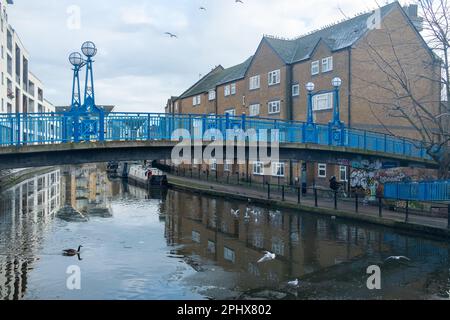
x=294, y=283
x=398, y=258
x=268, y=256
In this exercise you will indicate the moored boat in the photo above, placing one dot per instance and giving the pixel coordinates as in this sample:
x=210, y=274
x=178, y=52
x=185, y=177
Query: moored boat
x=146, y=176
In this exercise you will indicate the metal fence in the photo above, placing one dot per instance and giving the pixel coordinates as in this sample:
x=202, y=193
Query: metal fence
x=43, y=128
x=422, y=191
x=398, y=208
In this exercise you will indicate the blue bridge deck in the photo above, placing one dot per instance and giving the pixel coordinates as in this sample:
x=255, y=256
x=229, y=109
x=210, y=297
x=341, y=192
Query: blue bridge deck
x=54, y=128
x=59, y=128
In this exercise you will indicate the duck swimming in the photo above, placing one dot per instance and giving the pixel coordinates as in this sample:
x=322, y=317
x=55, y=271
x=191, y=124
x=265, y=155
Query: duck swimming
x=72, y=252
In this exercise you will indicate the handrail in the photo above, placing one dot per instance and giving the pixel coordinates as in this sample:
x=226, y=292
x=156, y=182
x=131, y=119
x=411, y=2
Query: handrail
x=61, y=127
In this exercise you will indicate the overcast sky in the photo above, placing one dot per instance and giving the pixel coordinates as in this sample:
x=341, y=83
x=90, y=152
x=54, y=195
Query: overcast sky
x=138, y=67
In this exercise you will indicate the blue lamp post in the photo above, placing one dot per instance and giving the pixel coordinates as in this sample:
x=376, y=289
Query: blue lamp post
x=336, y=126
x=309, y=128
x=94, y=126
x=89, y=50
x=77, y=61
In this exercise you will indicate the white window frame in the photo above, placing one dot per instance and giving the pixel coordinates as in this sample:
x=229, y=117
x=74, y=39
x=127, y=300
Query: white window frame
x=255, y=82
x=196, y=237
x=227, y=90
x=258, y=168
x=228, y=166
x=229, y=255
x=296, y=90
x=274, y=77
x=323, y=101
x=271, y=107
x=231, y=112
x=252, y=108
x=315, y=67
x=278, y=169
x=322, y=167
x=213, y=165
x=278, y=246
x=197, y=100
x=343, y=171
x=233, y=89
x=212, y=95
x=327, y=64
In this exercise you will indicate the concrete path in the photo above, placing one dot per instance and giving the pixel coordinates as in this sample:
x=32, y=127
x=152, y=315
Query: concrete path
x=346, y=207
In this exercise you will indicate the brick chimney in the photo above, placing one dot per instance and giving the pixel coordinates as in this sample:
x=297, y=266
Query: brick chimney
x=412, y=11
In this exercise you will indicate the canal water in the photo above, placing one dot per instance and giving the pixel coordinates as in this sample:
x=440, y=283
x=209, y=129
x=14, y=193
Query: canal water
x=180, y=245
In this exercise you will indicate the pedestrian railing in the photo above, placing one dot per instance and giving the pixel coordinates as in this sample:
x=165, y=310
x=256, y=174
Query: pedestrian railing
x=421, y=191
x=377, y=205
x=19, y=129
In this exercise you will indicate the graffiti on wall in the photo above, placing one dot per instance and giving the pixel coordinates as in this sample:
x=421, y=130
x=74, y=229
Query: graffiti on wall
x=368, y=178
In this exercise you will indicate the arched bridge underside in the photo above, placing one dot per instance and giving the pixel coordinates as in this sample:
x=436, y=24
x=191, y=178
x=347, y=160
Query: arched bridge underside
x=93, y=152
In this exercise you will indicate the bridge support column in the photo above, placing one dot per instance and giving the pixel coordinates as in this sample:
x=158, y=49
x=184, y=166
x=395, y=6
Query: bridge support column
x=448, y=216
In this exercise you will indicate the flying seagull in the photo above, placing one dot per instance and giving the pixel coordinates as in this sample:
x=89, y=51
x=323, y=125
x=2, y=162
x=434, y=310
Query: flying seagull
x=398, y=258
x=294, y=283
x=239, y=1
x=171, y=35
x=235, y=212
x=202, y=8
x=267, y=257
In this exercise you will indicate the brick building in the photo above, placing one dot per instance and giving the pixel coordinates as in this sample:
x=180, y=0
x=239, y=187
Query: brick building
x=271, y=83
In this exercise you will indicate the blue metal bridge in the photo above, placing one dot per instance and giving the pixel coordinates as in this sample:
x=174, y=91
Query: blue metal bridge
x=36, y=138
x=72, y=127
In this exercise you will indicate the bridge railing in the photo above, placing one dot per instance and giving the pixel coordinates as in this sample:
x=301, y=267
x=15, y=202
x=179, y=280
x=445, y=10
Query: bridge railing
x=31, y=128
x=49, y=128
x=419, y=191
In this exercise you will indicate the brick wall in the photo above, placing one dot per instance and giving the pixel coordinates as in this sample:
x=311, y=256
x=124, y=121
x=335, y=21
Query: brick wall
x=373, y=95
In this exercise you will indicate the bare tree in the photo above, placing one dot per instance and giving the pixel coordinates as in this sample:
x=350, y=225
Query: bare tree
x=407, y=86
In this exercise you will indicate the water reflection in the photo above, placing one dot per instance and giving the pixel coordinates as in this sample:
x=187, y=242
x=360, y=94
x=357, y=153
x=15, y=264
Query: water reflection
x=330, y=256
x=176, y=245
x=88, y=192
x=25, y=211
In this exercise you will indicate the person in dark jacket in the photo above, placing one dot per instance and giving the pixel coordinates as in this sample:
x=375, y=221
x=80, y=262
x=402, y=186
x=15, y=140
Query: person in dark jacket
x=334, y=184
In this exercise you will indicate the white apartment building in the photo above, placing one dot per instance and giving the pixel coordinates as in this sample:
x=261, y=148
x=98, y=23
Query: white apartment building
x=20, y=90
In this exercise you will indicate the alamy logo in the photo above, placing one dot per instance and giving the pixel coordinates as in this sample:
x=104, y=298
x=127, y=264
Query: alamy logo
x=374, y=280
x=235, y=146
x=374, y=21
x=74, y=17
x=74, y=280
